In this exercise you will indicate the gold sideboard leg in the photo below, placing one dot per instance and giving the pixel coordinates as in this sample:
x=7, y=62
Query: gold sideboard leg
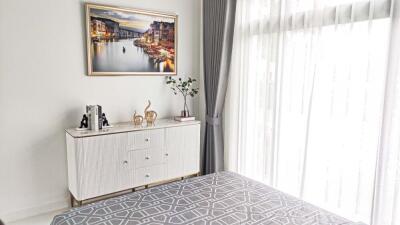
x=74, y=202
x=146, y=186
x=71, y=197
x=133, y=190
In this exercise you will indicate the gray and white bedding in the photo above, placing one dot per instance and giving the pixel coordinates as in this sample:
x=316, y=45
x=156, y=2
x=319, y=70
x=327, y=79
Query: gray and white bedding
x=219, y=199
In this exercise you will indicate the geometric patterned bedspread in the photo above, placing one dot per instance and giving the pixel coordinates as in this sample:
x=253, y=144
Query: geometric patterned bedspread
x=223, y=198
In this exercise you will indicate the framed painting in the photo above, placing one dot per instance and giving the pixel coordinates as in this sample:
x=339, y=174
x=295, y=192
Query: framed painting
x=122, y=41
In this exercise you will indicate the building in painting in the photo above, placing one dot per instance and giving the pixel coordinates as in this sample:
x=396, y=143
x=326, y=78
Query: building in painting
x=168, y=32
x=112, y=28
x=154, y=32
x=127, y=33
x=97, y=28
x=160, y=33
x=104, y=28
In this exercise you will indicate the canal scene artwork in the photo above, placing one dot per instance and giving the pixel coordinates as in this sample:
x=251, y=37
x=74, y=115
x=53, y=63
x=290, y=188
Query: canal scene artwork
x=130, y=42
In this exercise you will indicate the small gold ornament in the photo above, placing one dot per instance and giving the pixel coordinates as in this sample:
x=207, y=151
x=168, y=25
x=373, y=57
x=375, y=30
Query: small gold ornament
x=149, y=115
x=137, y=119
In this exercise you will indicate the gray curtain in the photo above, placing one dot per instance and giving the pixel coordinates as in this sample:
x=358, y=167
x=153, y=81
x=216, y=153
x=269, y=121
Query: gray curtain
x=218, y=22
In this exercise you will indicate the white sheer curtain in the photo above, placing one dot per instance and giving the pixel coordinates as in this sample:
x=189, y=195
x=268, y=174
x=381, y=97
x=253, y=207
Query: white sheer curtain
x=306, y=97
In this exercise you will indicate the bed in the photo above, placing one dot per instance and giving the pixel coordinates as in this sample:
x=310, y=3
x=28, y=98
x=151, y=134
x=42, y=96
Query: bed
x=223, y=198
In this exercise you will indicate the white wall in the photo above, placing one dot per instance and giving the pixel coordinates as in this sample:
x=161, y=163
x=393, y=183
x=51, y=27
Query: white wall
x=44, y=89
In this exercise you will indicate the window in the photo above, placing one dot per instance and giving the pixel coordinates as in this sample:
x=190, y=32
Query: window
x=306, y=96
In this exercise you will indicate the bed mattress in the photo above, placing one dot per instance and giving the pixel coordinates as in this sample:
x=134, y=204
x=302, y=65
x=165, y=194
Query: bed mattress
x=223, y=198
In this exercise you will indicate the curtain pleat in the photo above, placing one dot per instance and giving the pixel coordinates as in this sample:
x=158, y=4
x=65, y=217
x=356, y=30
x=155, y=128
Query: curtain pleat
x=386, y=208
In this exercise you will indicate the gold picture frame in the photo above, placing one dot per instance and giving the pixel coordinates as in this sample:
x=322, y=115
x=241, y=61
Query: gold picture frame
x=124, y=41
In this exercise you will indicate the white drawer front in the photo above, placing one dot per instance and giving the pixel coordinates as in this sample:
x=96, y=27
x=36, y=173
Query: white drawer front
x=146, y=139
x=147, y=157
x=148, y=175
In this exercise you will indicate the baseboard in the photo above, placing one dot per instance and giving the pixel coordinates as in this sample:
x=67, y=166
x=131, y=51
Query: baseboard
x=34, y=211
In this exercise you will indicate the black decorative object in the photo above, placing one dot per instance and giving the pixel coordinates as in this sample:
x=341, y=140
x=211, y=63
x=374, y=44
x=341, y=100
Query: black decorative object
x=104, y=119
x=84, y=122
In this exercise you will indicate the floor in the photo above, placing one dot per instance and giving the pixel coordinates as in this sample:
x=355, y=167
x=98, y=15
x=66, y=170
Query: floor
x=44, y=219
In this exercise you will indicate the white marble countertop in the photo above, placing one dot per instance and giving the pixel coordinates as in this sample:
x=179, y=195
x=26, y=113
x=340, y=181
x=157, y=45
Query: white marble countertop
x=128, y=126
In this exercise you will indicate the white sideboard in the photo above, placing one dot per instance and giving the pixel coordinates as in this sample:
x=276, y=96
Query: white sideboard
x=127, y=156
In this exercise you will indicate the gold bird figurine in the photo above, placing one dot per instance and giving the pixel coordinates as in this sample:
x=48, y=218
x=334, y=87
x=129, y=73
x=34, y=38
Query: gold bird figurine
x=137, y=119
x=149, y=115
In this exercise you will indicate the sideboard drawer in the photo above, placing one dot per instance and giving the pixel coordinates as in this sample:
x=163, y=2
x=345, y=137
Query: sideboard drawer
x=148, y=175
x=146, y=139
x=147, y=157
